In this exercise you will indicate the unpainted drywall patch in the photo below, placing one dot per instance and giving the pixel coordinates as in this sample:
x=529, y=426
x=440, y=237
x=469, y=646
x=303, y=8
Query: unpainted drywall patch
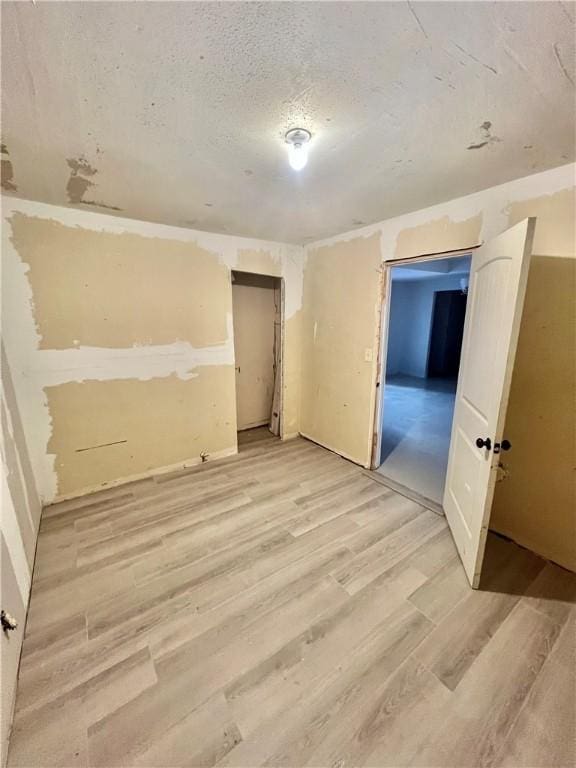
x=7, y=172
x=438, y=236
x=97, y=289
x=339, y=321
x=260, y=262
x=540, y=515
x=555, y=222
x=134, y=427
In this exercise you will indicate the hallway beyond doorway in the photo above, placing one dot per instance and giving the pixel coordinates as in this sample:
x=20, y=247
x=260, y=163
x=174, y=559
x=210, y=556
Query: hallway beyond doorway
x=416, y=433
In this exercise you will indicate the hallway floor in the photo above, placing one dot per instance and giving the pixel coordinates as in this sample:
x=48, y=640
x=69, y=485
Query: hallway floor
x=417, y=424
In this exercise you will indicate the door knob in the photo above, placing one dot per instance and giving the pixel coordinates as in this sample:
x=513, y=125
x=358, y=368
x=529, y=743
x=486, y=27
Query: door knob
x=487, y=443
x=505, y=445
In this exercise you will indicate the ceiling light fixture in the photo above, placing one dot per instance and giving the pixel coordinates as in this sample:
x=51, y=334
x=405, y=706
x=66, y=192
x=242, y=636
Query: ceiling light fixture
x=297, y=140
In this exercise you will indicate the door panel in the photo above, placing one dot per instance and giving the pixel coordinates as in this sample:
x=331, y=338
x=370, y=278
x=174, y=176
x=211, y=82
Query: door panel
x=498, y=278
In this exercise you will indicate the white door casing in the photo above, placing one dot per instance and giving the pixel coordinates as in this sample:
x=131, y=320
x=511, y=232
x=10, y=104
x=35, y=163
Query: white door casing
x=498, y=278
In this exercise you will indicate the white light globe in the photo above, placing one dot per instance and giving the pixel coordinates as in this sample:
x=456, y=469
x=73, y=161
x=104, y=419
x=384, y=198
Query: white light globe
x=297, y=156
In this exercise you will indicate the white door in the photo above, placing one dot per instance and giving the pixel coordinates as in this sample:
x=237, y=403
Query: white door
x=498, y=277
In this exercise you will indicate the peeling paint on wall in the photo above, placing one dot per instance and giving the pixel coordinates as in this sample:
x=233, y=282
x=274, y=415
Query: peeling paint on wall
x=487, y=137
x=80, y=181
x=7, y=172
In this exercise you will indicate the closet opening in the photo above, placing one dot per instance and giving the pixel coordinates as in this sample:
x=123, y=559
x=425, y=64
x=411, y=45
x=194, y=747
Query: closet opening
x=257, y=309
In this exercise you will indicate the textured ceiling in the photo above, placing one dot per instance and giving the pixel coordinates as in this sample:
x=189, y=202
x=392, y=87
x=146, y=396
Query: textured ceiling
x=175, y=112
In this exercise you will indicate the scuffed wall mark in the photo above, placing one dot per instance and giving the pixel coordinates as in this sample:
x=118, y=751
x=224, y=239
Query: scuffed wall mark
x=3, y=149
x=473, y=58
x=478, y=146
x=98, y=204
x=7, y=174
x=413, y=12
x=562, y=66
x=102, y=445
x=487, y=138
x=79, y=181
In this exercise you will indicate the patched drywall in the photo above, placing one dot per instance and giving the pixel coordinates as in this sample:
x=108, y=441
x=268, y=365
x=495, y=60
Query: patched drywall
x=110, y=430
x=438, y=236
x=341, y=290
x=106, y=290
x=260, y=262
x=531, y=503
x=534, y=505
x=95, y=304
x=555, y=233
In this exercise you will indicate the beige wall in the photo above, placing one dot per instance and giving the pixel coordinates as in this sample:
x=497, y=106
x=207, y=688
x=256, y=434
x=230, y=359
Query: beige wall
x=254, y=315
x=340, y=314
x=19, y=529
x=120, y=336
x=533, y=503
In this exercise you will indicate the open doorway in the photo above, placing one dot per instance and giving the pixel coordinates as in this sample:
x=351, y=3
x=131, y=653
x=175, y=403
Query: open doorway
x=425, y=329
x=257, y=319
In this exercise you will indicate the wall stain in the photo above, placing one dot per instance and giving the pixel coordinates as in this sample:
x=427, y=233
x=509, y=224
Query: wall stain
x=80, y=182
x=487, y=138
x=7, y=172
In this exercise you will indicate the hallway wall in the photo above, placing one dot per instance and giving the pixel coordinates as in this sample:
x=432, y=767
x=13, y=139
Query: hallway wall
x=411, y=308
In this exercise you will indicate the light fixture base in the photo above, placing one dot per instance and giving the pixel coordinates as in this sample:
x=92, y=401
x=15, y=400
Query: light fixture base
x=298, y=136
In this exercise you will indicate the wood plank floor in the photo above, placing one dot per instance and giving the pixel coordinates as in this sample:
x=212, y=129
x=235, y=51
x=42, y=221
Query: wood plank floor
x=282, y=608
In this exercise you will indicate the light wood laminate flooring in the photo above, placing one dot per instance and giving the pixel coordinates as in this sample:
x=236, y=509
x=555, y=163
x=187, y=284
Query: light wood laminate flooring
x=282, y=608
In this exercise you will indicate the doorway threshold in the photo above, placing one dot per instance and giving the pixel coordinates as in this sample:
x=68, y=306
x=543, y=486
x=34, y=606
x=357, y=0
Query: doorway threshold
x=433, y=506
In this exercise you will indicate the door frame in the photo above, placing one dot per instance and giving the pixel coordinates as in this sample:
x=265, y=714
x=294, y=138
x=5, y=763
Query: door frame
x=280, y=286
x=382, y=337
